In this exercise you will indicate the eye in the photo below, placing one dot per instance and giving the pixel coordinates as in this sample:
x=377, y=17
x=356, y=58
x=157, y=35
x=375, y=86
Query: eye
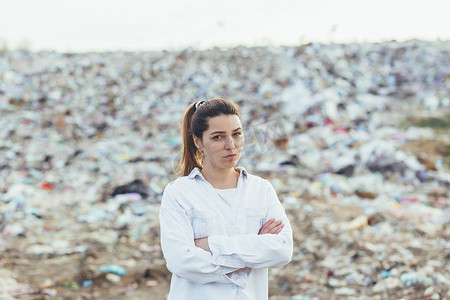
x=237, y=133
x=216, y=137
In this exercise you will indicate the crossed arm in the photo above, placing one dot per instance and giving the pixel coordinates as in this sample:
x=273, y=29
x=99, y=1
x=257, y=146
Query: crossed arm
x=270, y=227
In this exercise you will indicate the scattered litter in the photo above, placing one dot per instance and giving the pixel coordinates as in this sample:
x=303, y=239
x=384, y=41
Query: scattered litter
x=354, y=138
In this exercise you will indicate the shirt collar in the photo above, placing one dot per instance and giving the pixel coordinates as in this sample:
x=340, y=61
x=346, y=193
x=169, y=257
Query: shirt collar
x=196, y=172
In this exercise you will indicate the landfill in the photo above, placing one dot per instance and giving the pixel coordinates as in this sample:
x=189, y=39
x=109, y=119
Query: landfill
x=354, y=137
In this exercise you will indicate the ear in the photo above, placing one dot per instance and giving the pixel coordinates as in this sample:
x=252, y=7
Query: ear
x=198, y=142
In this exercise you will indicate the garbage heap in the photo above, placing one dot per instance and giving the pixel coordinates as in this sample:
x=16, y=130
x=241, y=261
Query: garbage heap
x=354, y=137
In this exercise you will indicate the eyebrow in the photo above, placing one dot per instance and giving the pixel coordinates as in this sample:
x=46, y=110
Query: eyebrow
x=216, y=132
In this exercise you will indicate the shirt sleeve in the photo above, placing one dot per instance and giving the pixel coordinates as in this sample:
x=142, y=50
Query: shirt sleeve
x=183, y=258
x=252, y=250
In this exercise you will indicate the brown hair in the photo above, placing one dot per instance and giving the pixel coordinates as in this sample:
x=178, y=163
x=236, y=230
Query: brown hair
x=195, y=121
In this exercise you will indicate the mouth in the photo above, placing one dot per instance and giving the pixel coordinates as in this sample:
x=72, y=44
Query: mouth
x=230, y=156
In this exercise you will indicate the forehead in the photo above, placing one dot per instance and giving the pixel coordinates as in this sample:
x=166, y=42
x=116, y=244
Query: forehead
x=224, y=123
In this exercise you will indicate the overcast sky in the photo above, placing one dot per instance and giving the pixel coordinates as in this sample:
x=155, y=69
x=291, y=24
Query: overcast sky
x=86, y=25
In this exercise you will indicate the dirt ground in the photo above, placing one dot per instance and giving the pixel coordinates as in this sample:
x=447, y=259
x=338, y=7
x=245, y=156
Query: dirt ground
x=314, y=240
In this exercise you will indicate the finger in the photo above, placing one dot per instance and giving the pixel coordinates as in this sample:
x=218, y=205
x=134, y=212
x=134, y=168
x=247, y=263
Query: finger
x=273, y=230
x=266, y=226
x=276, y=224
x=279, y=230
x=268, y=223
x=272, y=226
x=264, y=230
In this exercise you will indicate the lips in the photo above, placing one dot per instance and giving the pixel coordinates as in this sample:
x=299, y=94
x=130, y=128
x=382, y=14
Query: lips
x=230, y=156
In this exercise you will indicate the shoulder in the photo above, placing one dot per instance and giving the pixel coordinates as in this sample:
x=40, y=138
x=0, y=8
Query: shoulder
x=258, y=181
x=175, y=193
x=178, y=184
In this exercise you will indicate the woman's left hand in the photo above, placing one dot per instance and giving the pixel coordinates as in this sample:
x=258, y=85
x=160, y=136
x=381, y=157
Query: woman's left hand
x=202, y=243
x=271, y=227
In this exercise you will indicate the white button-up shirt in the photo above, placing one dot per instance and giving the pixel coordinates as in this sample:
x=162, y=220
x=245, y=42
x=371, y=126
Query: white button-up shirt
x=192, y=209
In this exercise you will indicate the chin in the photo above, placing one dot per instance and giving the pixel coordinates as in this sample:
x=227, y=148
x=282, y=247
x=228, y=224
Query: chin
x=229, y=165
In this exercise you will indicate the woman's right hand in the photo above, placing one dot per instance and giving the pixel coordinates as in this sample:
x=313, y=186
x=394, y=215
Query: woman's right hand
x=271, y=227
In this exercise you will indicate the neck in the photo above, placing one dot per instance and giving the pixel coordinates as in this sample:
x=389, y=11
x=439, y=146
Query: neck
x=220, y=178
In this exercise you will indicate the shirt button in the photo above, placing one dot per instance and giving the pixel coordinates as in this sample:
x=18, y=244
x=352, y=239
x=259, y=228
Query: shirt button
x=244, y=285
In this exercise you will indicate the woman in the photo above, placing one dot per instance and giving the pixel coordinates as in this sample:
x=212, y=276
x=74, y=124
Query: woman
x=221, y=227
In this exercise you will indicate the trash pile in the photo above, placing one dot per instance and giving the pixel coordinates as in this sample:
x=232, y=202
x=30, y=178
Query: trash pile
x=354, y=137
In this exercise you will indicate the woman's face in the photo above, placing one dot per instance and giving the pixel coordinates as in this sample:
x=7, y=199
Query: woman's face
x=222, y=143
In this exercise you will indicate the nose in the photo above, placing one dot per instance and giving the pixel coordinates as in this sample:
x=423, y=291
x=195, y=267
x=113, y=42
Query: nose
x=229, y=143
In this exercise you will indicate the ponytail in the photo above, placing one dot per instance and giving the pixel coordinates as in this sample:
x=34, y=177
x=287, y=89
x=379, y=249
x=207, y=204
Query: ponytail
x=191, y=156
